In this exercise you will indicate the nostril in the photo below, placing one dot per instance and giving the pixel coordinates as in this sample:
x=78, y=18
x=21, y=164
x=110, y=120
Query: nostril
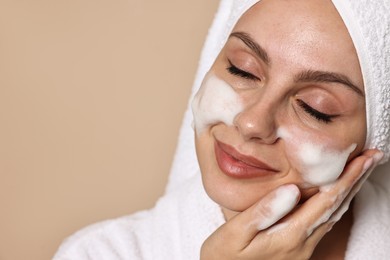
x=271, y=139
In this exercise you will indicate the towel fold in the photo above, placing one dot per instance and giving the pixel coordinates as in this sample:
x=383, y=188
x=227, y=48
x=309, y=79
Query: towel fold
x=368, y=23
x=370, y=234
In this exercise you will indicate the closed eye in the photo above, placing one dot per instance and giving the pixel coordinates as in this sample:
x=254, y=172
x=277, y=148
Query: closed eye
x=322, y=117
x=232, y=69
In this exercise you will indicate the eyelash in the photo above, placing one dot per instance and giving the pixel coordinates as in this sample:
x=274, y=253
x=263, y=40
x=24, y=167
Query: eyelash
x=315, y=113
x=326, y=118
x=241, y=73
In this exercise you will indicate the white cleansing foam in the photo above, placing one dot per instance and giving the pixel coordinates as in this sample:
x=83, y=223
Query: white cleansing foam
x=322, y=166
x=216, y=101
x=319, y=165
x=284, y=201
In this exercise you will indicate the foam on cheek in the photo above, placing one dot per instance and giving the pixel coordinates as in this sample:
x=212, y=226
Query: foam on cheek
x=319, y=165
x=215, y=102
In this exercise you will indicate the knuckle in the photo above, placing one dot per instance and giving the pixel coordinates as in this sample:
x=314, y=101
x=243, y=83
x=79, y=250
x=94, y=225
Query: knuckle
x=263, y=211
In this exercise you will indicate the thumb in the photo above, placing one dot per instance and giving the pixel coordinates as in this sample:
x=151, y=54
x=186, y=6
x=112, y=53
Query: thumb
x=263, y=214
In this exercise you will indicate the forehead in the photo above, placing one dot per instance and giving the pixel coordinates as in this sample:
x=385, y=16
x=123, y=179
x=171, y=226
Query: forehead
x=303, y=34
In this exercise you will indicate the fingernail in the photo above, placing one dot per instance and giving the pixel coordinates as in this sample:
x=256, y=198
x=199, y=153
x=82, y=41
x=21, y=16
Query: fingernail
x=378, y=156
x=367, y=164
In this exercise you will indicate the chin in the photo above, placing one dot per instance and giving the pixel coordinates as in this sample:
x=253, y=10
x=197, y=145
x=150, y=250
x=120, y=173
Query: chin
x=231, y=204
x=232, y=194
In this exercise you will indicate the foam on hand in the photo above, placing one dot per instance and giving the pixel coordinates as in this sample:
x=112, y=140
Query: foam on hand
x=284, y=201
x=216, y=101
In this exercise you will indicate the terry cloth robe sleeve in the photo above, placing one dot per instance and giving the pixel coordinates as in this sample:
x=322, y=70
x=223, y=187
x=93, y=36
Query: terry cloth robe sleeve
x=174, y=229
x=370, y=234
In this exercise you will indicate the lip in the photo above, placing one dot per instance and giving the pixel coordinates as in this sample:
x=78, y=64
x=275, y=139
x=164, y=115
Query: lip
x=237, y=165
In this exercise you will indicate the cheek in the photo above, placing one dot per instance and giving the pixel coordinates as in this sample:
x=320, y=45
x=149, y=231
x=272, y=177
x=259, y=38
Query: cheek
x=318, y=164
x=215, y=102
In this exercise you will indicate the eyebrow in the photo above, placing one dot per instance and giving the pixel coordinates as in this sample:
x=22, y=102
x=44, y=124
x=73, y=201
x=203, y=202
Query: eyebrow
x=330, y=77
x=305, y=76
x=253, y=45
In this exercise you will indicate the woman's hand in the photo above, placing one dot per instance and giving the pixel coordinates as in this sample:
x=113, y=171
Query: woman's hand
x=267, y=230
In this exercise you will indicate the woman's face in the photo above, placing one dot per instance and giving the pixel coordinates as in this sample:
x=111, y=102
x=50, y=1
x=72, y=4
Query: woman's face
x=283, y=103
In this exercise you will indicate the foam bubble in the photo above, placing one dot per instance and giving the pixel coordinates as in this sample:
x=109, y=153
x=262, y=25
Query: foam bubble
x=319, y=165
x=283, y=203
x=216, y=101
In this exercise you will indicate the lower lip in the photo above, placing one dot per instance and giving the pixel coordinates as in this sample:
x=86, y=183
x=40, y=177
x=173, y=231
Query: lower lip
x=236, y=168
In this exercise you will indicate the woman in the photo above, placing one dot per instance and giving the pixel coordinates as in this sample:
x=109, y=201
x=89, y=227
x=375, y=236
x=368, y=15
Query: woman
x=283, y=122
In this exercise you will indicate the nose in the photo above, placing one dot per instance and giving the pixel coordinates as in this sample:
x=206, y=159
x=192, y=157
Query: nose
x=257, y=122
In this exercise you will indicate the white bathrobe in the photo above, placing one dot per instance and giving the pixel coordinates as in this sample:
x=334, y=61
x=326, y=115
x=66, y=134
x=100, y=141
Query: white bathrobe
x=174, y=229
x=182, y=219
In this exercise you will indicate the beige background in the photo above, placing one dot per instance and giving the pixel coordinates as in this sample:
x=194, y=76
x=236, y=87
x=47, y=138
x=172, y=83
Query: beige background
x=91, y=99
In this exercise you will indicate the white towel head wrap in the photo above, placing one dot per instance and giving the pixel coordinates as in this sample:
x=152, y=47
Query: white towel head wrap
x=368, y=22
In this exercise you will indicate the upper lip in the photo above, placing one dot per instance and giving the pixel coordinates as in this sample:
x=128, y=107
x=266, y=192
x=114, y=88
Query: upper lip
x=247, y=159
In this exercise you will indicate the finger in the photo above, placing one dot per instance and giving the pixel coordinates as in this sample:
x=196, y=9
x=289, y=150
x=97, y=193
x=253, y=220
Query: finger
x=312, y=241
x=352, y=172
x=368, y=168
x=319, y=208
x=319, y=232
x=310, y=222
x=264, y=213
